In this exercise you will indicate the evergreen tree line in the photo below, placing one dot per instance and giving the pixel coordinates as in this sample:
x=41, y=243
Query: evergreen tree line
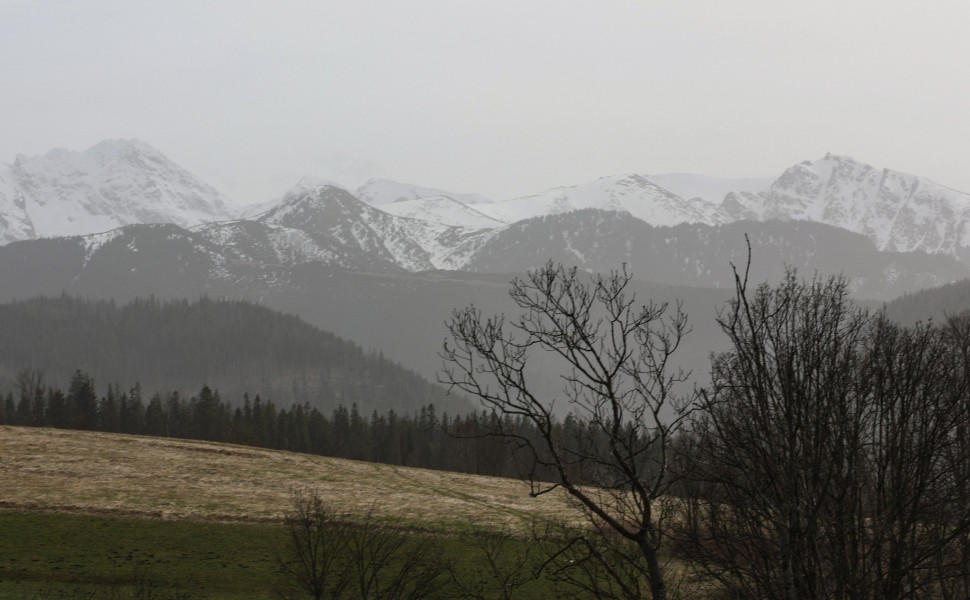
x=424, y=438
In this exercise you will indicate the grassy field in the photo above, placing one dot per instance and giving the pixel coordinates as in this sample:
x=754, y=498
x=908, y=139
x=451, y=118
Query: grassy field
x=52, y=555
x=61, y=556
x=83, y=514
x=106, y=474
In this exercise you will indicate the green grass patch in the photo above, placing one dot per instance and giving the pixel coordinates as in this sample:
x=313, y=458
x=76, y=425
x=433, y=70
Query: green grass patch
x=49, y=555
x=44, y=554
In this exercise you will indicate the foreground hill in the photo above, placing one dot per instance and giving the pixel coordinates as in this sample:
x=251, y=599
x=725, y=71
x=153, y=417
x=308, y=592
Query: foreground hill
x=99, y=473
x=234, y=347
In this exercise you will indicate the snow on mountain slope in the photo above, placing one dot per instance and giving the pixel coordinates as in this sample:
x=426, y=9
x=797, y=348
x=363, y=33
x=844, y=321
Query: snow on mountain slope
x=634, y=194
x=14, y=222
x=899, y=212
x=266, y=244
x=111, y=184
x=95, y=241
x=252, y=211
x=710, y=189
x=377, y=192
x=333, y=217
x=361, y=234
x=443, y=210
x=388, y=226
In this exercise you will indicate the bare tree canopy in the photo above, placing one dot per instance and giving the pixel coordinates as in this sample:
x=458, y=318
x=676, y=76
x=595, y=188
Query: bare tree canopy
x=330, y=557
x=618, y=387
x=830, y=459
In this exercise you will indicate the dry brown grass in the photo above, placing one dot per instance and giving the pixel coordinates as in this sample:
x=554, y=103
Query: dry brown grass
x=87, y=472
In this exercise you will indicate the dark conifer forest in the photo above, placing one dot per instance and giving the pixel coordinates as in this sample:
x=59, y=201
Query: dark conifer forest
x=237, y=347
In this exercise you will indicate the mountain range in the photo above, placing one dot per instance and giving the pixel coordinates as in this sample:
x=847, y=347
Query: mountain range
x=385, y=264
x=122, y=182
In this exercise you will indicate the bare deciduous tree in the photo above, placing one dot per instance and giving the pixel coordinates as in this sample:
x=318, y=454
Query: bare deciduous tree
x=331, y=557
x=954, y=566
x=388, y=564
x=828, y=455
x=30, y=383
x=317, y=547
x=603, y=565
x=618, y=382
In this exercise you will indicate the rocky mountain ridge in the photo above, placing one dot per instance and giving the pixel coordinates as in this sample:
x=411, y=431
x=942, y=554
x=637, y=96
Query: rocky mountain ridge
x=385, y=226
x=219, y=258
x=897, y=211
x=111, y=184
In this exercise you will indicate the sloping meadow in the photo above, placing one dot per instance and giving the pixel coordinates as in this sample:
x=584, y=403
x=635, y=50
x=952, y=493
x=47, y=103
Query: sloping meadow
x=96, y=473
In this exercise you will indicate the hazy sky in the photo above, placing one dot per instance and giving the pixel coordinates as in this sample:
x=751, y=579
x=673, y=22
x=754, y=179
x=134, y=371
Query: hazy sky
x=501, y=98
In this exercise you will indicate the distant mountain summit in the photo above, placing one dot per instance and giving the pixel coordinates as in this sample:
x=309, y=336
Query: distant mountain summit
x=897, y=211
x=109, y=185
x=387, y=226
x=362, y=237
x=634, y=194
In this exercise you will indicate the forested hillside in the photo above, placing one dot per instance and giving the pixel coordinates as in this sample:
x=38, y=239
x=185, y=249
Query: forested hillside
x=700, y=255
x=236, y=347
x=934, y=303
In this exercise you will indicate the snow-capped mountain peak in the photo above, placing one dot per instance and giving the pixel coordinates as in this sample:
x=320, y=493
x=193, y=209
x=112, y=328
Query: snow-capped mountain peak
x=311, y=182
x=898, y=211
x=308, y=184
x=111, y=184
x=632, y=193
x=386, y=225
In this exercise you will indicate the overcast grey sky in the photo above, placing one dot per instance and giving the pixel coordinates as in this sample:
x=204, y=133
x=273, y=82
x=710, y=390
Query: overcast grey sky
x=501, y=98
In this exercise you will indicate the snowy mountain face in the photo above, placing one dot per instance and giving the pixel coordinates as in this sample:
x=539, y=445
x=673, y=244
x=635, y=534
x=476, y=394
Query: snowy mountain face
x=444, y=210
x=111, y=184
x=253, y=211
x=357, y=232
x=709, y=189
x=638, y=195
x=898, y=212
x=261, y=243
x=391, y=227
x=15, y=224
x=634, y=194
